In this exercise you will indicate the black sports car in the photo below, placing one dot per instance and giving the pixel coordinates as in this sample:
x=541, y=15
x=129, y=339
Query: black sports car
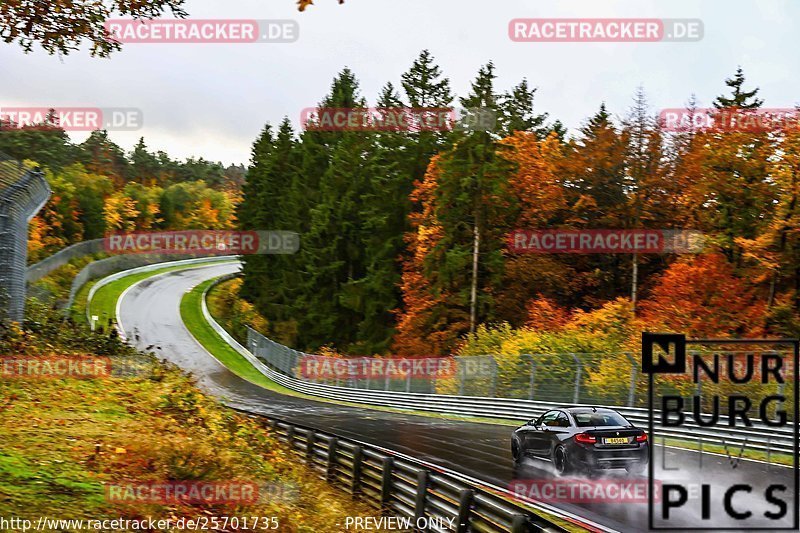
x=582, y=439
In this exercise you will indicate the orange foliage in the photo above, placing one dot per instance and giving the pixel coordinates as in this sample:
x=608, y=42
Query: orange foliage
x=537, y=183
x=546, y=315
x=702, y=297
x=414, y=318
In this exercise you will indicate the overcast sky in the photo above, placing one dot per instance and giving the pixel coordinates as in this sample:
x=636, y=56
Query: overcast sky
x=211, y=100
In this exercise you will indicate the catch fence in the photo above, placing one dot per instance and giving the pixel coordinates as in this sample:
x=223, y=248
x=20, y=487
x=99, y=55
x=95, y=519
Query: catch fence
x=23, y=192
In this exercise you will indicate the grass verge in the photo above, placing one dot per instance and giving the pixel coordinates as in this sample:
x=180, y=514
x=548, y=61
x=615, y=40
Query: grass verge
x=732, y=451
x=192, y=315
x=65, y=439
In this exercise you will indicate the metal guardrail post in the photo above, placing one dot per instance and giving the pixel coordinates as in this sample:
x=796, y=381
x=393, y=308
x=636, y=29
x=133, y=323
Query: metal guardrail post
x=519, y=524
x=532, y=382
x=578, y=374
x=495, y=371
x=386, y=483
x=330, y=467
x=310, y=439
x=422, y=494
x=290, y=436
x=632, y=389
x=465, y=499
x=358, y=457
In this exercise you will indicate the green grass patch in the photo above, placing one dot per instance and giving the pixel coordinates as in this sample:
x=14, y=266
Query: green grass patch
x=733, y=450
x=65, y=439
x=78, y=310
x=192, y=315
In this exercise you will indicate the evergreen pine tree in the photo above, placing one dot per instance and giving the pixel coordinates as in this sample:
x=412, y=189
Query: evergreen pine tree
x=516, y=112
x=739, y=99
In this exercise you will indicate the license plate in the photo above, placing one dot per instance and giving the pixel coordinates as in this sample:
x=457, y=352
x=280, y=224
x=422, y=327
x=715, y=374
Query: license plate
x=616, y=440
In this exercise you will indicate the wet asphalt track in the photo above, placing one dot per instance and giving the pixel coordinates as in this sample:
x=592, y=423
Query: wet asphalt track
x=150, y=316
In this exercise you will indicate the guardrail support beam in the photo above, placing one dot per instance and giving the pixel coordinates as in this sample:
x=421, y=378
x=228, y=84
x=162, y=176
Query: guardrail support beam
x=358, y=457
x=386, y=484
x=330, y=467
x=422, y=494
x=519, y=524
x=465, y=500
x=310, y=439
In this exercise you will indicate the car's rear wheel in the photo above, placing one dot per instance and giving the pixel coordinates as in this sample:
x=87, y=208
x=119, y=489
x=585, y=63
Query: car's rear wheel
x=516, y=452
x=561, y=461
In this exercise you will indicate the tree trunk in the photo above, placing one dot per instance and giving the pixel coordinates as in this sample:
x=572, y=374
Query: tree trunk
x=635, y=281
x=473, y=300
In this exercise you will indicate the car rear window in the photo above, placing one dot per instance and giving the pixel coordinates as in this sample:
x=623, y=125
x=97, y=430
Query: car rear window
x=599, y=418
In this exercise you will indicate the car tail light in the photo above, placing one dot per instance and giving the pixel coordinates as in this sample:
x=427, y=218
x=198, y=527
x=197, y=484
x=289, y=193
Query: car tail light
x=642, y=438
x=585, y=439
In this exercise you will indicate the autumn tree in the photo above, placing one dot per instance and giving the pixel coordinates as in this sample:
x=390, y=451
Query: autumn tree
x=47, y=144
x=649, y=185
x=540, y=201
x=120, y=213
x=775, y=251
x=61, y=26
x=702, y=297
x=463, y=196
x=101, y=155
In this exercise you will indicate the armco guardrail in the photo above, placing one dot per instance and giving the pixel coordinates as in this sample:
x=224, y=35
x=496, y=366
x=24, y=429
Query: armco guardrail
x=759, y=437
x=96, y=269
x=23, y=191
x=405, y=485
x=120, y=263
